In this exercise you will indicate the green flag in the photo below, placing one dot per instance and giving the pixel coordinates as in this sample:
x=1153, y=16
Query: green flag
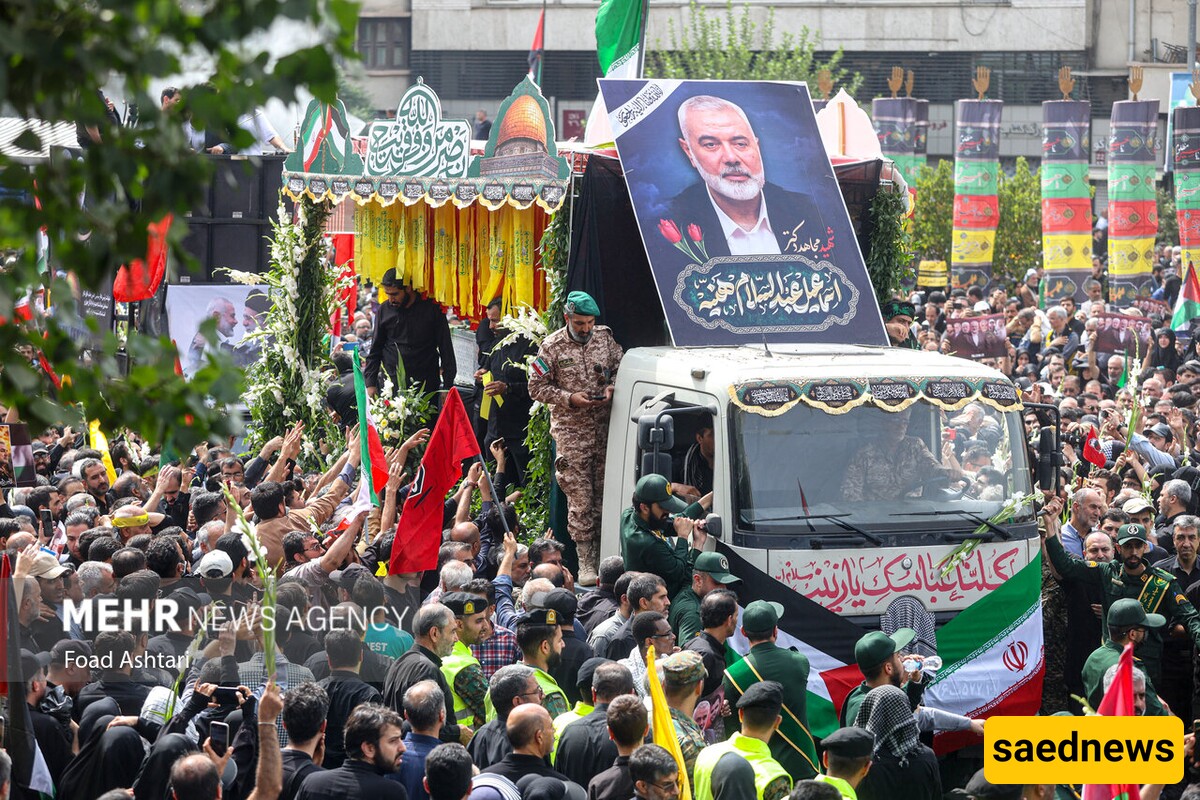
x=619, y=37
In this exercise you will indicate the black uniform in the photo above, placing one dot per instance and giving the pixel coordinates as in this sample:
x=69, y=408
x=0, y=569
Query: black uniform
x=515, y=766
x=419, y=336
x=354, y=779
x=566, y=674
x=346, y=692
x=490, y=744
x=420, y=664
x=584, y=748
x=296, y=767
x=612, y=784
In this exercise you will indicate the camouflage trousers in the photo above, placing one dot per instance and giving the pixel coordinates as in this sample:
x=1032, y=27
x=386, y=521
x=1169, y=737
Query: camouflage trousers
x=1054, y=632
x=580, y=474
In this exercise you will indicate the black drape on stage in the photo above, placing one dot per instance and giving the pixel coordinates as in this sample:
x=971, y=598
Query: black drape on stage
x=608, y=260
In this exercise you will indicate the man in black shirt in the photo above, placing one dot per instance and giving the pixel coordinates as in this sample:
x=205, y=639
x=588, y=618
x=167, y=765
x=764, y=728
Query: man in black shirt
x=54, y=736
x=584, y=748
x=115, y=647
x=575, y=651
x=374, y=746
x=510, y=687
x=531, y=732
x=435, y=630
x=597, y=606
x=627, y=725
x=304, y=710
x=412, y=330
x=346, y=691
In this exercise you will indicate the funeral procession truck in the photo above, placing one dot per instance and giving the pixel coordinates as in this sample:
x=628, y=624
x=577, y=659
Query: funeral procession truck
x=795, y=482
x=831, y=491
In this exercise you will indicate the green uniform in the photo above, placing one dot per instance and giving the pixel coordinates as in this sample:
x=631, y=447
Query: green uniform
x=1155, y=589
x=1098, y=663
x=771, y=780
x=846, y=790
x=646, y=550
x=792, y=744
x=684, y=616
x=465, y=678
x=854, y=700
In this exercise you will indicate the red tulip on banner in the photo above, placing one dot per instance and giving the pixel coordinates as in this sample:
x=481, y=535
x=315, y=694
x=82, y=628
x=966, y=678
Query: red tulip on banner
x=139, y=280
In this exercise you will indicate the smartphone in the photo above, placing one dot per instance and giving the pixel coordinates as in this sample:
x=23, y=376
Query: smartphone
x=227, y=696
x=47, y=520
x=218, y=735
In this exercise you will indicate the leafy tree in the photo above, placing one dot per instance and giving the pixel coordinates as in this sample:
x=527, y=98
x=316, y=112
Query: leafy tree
x=54, y=57
x=734, y=47
x=1019, y=234
x=1168, y=222
x=933, y=219
x=890, y=253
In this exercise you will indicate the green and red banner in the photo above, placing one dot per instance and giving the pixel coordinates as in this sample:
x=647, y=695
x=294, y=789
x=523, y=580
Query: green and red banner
x=976, y=207
x=896, y=125
x=1185, y=156
x=1132, y=209
x=1066, y=198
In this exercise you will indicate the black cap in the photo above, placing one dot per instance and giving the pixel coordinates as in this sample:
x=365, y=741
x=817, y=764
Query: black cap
x=764, y=694
x=346, y=578
x=850, y=743
x=75, y=648
x=187, y=598
x=586, y=670
x=539, y=616
x=32, y=663
x=563, y=601
x=981, y=789
x=464, y=604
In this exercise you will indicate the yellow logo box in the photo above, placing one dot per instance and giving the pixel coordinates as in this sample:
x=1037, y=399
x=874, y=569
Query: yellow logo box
x=1083, y=750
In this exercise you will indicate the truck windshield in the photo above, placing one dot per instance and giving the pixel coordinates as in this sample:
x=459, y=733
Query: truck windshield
x=871, y=473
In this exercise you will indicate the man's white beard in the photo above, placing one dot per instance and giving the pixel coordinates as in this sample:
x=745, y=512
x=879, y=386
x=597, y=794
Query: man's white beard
x=734, y=190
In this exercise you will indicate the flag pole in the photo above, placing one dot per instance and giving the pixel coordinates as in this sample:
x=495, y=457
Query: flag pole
x=492, y=490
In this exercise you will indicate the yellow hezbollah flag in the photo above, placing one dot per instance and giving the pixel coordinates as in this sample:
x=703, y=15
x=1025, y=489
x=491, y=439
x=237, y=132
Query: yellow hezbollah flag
x=1130, y=256
x=100, y=442
x=661, y=726
x=972, y=247
x=1066, y=250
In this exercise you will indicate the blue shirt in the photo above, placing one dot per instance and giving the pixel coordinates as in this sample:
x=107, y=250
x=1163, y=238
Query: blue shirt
x=1072, y=540
x=412, y=764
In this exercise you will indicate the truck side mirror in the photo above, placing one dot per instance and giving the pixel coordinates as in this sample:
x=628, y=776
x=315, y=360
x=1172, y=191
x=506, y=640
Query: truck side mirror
x=654, y=431
x=713, y=525
x=1048, y=460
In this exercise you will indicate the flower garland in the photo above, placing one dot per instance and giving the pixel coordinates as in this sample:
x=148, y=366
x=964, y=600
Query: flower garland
x=287, y=384
x=399, y=414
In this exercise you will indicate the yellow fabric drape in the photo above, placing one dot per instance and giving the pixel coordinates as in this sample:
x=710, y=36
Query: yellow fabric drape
x=376, y=240
x=445, y=255
x=661, y=727
x=499, y=236
x=521, y=291
x=467, y=304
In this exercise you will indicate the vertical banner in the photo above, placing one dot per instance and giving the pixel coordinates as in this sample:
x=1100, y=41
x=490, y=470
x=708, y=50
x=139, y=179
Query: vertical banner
x=921, y=133
x=1185, y=150
x=976, y=206
x=1132, y=213
x=1066, y=198
x=895, y=121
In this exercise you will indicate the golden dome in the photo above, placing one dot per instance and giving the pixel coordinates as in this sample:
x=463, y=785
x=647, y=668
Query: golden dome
x=523, y=120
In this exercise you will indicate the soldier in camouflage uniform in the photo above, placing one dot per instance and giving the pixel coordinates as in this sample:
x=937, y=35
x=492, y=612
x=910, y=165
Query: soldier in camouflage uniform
x=573, y=375
x=1130, y=576
x=682, y=677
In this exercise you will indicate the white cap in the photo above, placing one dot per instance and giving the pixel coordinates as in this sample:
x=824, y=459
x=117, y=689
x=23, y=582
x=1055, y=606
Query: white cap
x=982, y=305
x=215, y=564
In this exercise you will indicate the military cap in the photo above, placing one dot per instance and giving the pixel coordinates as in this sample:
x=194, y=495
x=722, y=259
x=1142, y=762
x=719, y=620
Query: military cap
x=850, y=743
x=764, y=694
x=1128, y=613
x=657, y=489
x=538, y=616
x=1133, y=532
x=562, y=601
x=981, y=789
x=717, y=566
x=464, y=604
x=684, y=668
x=897, y=308
x=877, y=647
x=581, y=303
x=761, y=616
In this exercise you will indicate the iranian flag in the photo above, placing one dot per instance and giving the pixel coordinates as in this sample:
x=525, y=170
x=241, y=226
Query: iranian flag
x=619, y=28
x=1187, y=307
x=992, y=656
x=374, y=462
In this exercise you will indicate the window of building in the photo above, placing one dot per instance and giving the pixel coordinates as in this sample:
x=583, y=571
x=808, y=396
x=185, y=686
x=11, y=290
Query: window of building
x=385, y=43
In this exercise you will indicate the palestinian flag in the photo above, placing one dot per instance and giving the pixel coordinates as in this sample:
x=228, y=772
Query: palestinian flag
x=992, y=656
x=1187, y=307
x=537, y=50
x=321, y=128
x=374, y=462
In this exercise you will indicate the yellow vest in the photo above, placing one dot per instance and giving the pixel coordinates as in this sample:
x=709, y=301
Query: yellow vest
x=460, y=658
x=842, y=786
x=758, y=753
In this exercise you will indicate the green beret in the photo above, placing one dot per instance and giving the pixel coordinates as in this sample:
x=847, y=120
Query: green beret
x=896, y=308
x=581, y=303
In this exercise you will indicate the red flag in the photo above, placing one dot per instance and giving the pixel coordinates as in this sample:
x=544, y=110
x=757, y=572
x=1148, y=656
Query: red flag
x=419, y=533
x=1117, y=702
x=1091, y=449
x=343, y=256
x=140, y=279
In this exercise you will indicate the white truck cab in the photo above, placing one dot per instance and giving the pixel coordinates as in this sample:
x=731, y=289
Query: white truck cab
x=792, y=428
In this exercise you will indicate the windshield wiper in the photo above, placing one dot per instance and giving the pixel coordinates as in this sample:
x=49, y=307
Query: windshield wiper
x=987, y=523
x=836, y=519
